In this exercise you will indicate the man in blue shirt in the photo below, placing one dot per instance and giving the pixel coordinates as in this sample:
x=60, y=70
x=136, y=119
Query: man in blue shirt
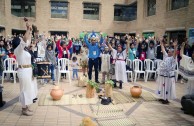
x=94, y=53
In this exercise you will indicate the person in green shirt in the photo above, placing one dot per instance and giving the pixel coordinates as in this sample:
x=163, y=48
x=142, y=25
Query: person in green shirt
x=132, y=50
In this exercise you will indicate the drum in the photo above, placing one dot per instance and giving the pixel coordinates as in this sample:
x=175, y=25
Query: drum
x=43, y=70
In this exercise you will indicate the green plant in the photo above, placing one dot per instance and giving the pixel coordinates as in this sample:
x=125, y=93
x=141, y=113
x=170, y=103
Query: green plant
x=110, y=82
x=93, y=84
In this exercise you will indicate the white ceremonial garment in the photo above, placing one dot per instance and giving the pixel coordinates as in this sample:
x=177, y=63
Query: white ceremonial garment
x=186, y=69
x=120, y=66
x=166, y=79
x=105, y=62
x=84, y=54
x=41, y=49
x=28, y=87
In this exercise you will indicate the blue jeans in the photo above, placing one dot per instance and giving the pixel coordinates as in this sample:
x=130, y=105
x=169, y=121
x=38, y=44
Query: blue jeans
x=75, y=73
x=52, y=69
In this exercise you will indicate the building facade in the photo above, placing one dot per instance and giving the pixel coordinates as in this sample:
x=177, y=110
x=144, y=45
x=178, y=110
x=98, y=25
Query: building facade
x=144, y=17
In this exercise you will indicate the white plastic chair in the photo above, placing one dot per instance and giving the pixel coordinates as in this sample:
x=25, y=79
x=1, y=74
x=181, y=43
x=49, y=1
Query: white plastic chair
x=62, y=63
x=138, y=68
x=38, y=59
x=176, y=71
x=42, y=81
x=149, y=68
x=129, y=62
x=11, y=68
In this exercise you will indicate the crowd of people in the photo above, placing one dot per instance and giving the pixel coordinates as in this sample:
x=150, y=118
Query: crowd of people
x=106, y=54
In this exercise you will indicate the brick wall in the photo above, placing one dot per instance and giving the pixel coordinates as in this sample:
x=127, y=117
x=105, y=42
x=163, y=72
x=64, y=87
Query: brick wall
x=159, y=23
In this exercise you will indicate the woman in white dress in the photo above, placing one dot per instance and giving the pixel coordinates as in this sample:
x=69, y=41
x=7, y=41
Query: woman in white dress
x=28, y=86
x=166, y=79
x=186, y=69
x=119, y=58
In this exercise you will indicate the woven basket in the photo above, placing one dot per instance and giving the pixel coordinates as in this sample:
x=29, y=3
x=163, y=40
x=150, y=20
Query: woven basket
x=90, y=91
x=108, y=90
x=82, y=81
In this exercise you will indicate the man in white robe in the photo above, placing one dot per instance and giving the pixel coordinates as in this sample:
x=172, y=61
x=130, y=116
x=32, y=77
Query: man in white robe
x=186, y=69
x=166, y=79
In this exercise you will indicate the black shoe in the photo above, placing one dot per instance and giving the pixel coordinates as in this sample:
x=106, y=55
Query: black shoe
x=97, y=81
x=2, y=103
x=120, y=85
x=165, y=102
x=129, y=80
x=35, y=99
x=161, y=100
x=115, y=84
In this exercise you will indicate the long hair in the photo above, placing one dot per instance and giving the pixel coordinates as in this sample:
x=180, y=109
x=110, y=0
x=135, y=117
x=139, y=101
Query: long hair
x=15, y=42
x=49, y=45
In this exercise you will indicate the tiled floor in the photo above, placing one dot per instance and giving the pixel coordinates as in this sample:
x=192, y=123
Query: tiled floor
x=141, y=113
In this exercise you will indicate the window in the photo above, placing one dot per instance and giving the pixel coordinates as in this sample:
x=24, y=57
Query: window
x=18, y=32
x=120, y=34
x=176, y=4
x=148, y=34
x=59, y=9
x=151, y=7
x=125, y=13
x=91, y=11
x=180, y=35
x=23, y=8
x=59, y=33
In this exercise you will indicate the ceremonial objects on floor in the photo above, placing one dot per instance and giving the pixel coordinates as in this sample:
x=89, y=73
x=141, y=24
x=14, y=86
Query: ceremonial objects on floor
x=56, y=93
x=136, y=91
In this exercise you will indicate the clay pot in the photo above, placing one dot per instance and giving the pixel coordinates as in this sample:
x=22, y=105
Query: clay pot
x=56, y=93
x=108, y=90
x=90, y=91
x=136, y=91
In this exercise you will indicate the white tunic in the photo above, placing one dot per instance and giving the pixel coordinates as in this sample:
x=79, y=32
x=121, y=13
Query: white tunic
x=105, y=62
x=41, y=49
x=187, y=71
x=28, y=87
x=120, y=66
x=166, y=78
x=84, y=54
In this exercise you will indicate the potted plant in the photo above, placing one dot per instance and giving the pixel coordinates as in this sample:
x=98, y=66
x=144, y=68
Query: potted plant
x=108, y=88
x=90, y=88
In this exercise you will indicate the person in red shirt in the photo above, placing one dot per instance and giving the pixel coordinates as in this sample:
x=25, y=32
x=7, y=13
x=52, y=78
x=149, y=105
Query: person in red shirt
x=63, y=50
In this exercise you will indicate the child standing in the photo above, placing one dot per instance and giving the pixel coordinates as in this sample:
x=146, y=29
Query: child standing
x=105, y=57
x=84, y=60
x=74, y=66
x=50, y=56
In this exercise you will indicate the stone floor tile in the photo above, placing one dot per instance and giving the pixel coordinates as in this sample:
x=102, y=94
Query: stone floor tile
x=147, y=113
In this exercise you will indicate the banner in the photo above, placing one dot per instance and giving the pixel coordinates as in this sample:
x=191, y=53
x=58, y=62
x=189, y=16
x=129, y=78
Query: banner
x=191, y=36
